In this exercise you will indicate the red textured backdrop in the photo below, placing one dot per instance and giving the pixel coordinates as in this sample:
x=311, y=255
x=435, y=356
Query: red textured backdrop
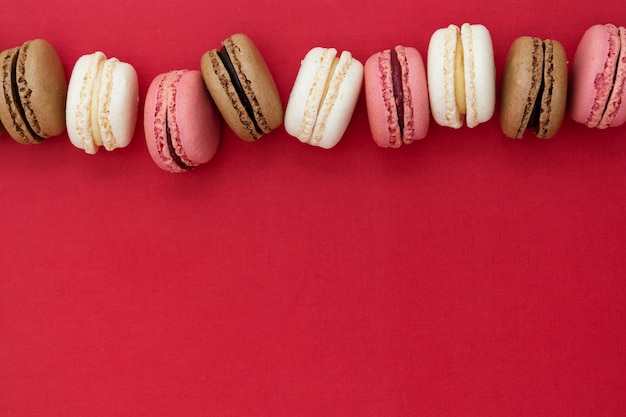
x=465, y=275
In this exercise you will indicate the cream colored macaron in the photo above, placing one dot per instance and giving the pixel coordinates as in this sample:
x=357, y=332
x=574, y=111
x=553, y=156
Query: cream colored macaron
x=102, y=101
x=461, y=75
x=323, y=97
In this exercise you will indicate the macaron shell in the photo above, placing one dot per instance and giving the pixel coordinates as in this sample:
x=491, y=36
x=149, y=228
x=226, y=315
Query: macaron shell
x=480, y=74
x=2, y=130
x=154, y=121
x=593, y=70
x=554, y=97
x=338, y=105
x=10, y=114
x=42, y=87
x=521, y=81
x=78, y=104
x=197, y=119
x=417, y=117
x=615, y=112
x=117, y=104
x=440, y=72
x=307, y=92
x=381, y=107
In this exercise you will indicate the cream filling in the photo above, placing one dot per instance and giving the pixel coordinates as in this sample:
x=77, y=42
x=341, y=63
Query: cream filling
x=94, y=125
x=459, y=75
x=470, y=95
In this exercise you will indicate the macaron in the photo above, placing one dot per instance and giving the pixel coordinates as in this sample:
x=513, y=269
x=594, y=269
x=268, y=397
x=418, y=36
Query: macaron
x=461, y=75
x=396, y=95
x=242, y=87
x=598, y=84
x=102, y=100
x=534, y=88
x=34, y=88
x=323, y=97
x=181, y=123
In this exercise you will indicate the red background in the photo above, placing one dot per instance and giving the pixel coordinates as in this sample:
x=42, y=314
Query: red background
x=465, y=275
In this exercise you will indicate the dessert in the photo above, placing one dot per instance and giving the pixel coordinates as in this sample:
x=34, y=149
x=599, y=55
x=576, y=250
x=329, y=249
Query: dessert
x=34, y=88
x=102, y=100
x=181, y=123
x=461, y=75
x=242, y=87
x=396, y=94
x=323, y=97
x=534, y=88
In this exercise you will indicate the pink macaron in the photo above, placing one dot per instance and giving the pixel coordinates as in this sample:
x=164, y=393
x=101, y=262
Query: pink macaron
x=181, y=122
x=396, y=95
x=598, y=82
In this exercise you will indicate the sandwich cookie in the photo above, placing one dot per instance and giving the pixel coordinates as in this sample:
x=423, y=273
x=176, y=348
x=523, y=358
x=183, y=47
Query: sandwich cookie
x=396, y=94
x=181, y=123
x=242, y=87
x=323, y=97
x=598, y=86
x=534, y=88
x=461, y=75
x=34, y=88
x=102, y=101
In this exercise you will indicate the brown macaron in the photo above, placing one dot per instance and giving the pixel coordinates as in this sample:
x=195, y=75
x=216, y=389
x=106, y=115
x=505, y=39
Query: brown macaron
x=242, y=87
x=34, y=88
x=534, y=88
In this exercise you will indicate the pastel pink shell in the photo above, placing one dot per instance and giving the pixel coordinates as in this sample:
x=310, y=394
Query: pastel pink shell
x=599, y=77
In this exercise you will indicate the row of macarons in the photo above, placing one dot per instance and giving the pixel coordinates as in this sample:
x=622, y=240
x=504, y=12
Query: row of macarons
x=455, y=85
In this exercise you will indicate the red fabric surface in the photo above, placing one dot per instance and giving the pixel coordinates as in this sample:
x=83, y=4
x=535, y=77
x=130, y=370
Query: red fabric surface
x=464, y=275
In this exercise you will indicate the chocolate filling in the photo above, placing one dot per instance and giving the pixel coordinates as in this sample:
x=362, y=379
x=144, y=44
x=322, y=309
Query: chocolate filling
x=223, y=54
x=18, y=101
x=533, y=121
x=172, y=150
x=396, y=81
